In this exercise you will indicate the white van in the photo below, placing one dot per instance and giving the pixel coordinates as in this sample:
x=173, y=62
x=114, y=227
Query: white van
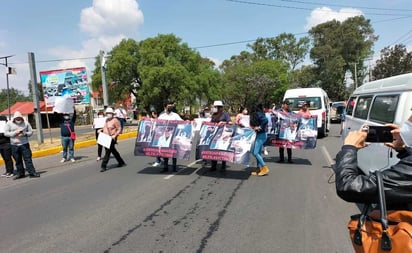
x=318, y=105
x=376, y=103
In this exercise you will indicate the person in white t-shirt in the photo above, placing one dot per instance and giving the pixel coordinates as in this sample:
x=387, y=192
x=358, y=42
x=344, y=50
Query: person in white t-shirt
x=121, y=114
x=168, y=114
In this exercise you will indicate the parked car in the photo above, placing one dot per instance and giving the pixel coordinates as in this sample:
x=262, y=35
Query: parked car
x=336, y=110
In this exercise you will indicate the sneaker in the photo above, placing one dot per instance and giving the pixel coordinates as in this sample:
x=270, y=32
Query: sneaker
x=72, y=160
x=4, y=175
x=155, y=164
x=265, y=152
x=63, y=160
x=98, y=158
x=10, y=175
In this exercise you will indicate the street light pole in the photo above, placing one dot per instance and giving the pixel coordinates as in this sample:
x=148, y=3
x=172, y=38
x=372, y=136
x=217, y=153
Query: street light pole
x=7, y=81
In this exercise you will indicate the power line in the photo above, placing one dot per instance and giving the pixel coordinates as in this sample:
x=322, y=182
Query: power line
x=343, y=6
x=308, y=9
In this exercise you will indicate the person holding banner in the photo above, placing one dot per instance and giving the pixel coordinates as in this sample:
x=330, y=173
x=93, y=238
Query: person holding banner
x=168, y=114
x=284, y=110
x=259, y=123
x=97, y=126
x=113, y=129
x=221, y=117
x=67, y=137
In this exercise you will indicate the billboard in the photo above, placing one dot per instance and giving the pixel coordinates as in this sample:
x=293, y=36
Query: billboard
x=65, y=82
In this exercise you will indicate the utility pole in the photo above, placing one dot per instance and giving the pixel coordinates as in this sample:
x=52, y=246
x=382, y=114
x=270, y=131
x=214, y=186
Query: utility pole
x=104, y=84
x=8, y=72
x=35, y=93
x=356, y=77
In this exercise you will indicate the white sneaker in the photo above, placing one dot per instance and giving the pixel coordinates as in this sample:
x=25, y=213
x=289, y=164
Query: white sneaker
x=265, y=152
x=98, y=158
x=155, y=164
x=10, y=175
x=4, y=175
x=72, y=160
x=63, y=160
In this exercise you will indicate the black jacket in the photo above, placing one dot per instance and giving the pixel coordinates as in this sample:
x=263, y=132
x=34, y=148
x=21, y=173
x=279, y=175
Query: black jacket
x=353, y=186
x=64, y=130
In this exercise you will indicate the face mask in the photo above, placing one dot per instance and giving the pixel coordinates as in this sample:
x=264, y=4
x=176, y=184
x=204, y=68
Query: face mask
x=18, y=121
x=100, y=116
x=214, y=110
x=406, y=133
x=109, y=116
x=169, y=108
x=245, y=111
x=66, y=117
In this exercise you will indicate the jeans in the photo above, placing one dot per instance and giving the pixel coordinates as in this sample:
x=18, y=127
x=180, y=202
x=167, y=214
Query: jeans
x=257, y=150
x=20, y=153
x=67, y=142
x=6, y=153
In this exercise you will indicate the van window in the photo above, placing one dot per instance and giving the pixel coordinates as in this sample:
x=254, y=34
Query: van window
x=350, y=105
x=384, y=108
x=296, y=103
x=362, y=107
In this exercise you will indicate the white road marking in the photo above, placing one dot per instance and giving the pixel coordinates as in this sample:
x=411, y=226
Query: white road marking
x=327, y=156
x=189, y=166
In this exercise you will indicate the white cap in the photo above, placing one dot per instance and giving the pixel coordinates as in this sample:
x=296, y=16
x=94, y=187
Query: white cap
x=109, y=110
x=17, y=114
x=218, y=103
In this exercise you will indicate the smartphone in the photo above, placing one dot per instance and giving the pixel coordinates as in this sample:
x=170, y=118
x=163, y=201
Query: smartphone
x=379, y=134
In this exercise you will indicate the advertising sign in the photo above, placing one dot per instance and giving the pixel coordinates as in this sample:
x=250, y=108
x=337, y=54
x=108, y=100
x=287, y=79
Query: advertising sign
x=62, y=82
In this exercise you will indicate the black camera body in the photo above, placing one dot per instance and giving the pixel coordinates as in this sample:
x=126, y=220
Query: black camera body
x=378, y=133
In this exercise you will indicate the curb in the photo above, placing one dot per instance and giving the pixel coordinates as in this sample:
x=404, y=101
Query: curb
x=77, y=145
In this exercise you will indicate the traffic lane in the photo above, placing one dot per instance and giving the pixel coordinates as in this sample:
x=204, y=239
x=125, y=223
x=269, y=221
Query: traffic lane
x=139, y=208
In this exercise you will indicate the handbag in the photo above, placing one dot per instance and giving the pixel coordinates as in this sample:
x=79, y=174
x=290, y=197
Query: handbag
x=72, y=134
x=381, y=231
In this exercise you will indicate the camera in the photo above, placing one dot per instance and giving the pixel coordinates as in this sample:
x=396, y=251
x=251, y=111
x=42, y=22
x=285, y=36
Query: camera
x=378, y=133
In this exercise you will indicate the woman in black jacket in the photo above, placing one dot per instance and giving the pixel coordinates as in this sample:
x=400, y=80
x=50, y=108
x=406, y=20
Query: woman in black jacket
x=259, y=123
x=353, y=186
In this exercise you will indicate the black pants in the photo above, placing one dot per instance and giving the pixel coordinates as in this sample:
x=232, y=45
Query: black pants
x=214, y=165
x=166, y=163
x=5, y=150
x=282, y=154
x=109, y=151
x=99, y=147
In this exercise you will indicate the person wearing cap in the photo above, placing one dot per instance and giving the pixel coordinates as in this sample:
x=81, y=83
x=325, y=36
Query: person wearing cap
x=221, y=117
x=285, y=110
x=168, y=114
x=19, y=132
x=100, y=114
x=304, y=110
x=113, y=129
x=5, y=150
x=66, y=130
x=353, y=185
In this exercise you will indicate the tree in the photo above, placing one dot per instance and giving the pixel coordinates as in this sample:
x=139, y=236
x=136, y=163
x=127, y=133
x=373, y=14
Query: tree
x=247, y=80
x=337, y=47
x=15, y=96
x=394, y=61
x=284, y=47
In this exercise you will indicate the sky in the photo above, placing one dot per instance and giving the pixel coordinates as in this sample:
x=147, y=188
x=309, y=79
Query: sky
x=65, y=34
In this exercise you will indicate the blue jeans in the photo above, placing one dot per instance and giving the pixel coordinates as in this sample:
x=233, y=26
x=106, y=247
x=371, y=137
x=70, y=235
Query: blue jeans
x=20, y=153
x=257, y=150
x=67, y=142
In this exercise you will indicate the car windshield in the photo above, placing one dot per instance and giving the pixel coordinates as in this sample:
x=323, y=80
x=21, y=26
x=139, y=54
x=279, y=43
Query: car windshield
x=296, y=103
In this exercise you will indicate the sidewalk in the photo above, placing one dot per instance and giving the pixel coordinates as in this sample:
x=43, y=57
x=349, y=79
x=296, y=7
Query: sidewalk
x=53, y=146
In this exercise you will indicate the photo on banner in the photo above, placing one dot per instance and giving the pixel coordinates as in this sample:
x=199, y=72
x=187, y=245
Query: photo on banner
x=290, y=130
x=164, y=138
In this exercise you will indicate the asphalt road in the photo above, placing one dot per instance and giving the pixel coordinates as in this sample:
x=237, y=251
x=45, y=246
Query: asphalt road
x=73, y=207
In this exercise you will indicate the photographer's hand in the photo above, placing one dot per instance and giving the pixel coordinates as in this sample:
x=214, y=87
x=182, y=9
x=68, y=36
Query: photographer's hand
x=397, y=143
x=356, y=139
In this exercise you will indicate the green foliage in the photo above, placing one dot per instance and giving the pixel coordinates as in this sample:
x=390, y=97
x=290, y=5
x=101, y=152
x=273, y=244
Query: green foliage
x=337, y=47
x=394, y=61
x=15, y=96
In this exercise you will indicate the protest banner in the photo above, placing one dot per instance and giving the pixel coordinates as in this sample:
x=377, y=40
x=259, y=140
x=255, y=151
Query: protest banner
x=164, y=138
x=99, y=122
x=104, y=139
x=225, y=143
x=290, y=130
x=63, y=105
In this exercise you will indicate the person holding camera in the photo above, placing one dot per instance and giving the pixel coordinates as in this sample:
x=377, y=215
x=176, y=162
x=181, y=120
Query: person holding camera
x=353, y=185
x=19, y=132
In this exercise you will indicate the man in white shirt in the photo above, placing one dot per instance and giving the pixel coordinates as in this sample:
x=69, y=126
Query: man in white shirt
x=121, y=114
x=168, y=114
